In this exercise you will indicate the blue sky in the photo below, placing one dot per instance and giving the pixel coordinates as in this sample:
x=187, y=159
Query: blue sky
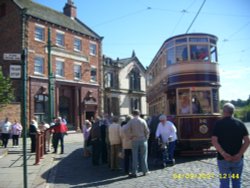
x=143, y=25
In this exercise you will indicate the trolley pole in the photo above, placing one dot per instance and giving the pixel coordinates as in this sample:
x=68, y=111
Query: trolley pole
x=51, y=79
x=24, y=118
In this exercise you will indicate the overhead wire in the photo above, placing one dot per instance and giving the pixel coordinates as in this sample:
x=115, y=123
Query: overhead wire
x=197, y=14
x=184, y=11
x=123, y=16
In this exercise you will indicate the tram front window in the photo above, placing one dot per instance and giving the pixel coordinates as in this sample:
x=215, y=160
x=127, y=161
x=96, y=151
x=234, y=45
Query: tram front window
x=199, y=52
x=181, y=53
x=184, y=102
x=194, y=102
x=201, y=102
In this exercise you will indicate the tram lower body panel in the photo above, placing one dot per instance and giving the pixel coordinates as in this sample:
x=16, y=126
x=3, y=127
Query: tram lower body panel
x=195, y=132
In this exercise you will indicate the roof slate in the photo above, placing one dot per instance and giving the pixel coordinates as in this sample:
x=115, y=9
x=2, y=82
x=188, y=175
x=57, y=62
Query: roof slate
x=55, y=17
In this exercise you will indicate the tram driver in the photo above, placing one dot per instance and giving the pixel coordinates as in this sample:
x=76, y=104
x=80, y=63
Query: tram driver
x=185, y=107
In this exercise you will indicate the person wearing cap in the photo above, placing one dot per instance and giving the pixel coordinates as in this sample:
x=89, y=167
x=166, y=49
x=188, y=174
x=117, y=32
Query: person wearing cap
x=166, y=131
x=139, y=134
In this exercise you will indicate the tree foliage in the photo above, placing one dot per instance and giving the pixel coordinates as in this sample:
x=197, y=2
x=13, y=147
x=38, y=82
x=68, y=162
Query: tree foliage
x=6, y=90
x=242, y=108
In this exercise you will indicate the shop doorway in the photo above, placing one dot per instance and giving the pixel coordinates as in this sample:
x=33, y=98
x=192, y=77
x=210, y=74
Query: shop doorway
x=90, y=116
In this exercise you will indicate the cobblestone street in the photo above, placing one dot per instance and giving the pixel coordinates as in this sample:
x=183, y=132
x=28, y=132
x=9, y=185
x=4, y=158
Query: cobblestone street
x=76, y=171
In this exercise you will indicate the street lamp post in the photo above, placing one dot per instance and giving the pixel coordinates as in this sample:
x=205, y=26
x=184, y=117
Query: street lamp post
x=51, y=79
x=24, y=120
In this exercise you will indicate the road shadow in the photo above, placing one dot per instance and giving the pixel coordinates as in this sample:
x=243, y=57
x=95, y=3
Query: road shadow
x=75, y=170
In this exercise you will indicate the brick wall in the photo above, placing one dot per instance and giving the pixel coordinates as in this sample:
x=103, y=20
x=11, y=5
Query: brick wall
x=11, y=33
x=12, y=111
x=39, y=48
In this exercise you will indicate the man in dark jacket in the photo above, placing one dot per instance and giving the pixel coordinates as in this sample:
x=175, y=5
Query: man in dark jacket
x=32, y=134
x=95, y=136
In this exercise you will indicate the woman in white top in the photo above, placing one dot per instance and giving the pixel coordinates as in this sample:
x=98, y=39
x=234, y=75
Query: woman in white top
x=167, y=132
x=6, y=130
x=16, y=131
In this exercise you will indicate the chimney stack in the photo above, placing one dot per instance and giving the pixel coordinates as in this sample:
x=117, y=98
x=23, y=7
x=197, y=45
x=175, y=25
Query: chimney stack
x=69, y=9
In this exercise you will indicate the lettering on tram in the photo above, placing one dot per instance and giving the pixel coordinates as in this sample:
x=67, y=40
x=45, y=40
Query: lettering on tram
x=190, y=93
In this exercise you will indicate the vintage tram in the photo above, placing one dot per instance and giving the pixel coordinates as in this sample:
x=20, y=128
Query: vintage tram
x=183, y=82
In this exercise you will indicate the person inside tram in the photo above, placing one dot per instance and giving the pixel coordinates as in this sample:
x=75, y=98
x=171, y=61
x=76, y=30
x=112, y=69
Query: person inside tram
x=185, y=107
x=196, y=107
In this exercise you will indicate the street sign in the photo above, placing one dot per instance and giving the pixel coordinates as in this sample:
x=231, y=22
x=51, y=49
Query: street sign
x=15, y=71
x=12, y=56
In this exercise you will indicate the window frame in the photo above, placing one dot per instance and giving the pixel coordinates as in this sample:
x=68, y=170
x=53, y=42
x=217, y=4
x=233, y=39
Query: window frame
x=42, y=65
x=62, y=70
x=60, y=41
x=79, y=77
x=93, y=51
x=37, y=27
x=95, y=76
x=189, y=92
x=77, y=46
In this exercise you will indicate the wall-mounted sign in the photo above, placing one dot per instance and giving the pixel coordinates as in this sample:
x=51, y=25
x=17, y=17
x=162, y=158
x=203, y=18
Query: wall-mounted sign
x=15, y=71
x=12, y=56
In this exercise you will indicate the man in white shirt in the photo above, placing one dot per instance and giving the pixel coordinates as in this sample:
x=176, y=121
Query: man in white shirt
x=167, y=132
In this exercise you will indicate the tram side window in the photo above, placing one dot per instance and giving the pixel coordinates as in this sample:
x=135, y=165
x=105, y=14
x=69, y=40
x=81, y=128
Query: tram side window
x=181, y=53
x=215, y=100
x=184, y=101
x=213, y=54
x=170, y=56
x=201, y=102
x=172, y=102
x=199, y=52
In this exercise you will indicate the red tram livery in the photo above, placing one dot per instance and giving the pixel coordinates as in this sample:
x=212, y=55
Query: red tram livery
x=183, y=81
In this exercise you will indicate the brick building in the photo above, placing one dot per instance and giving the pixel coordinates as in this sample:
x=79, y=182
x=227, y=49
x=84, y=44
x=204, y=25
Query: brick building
x=75, y=59
x=124, y=86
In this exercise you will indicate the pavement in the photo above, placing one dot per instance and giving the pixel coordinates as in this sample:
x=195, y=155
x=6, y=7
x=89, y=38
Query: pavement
x=72, y=170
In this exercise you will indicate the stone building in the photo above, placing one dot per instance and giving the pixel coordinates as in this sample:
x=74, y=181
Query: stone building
x=76, y=53
x=124, y=86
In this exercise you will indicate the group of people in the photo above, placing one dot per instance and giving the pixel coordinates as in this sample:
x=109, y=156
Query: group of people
x=55, y=132
x=110, y=141
x=10, y=130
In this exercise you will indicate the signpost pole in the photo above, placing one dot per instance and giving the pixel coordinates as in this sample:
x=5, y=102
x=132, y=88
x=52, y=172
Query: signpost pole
x=24, y=120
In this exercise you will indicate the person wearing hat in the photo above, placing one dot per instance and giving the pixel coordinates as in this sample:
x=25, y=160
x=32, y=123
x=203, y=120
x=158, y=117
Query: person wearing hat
x=166, y=131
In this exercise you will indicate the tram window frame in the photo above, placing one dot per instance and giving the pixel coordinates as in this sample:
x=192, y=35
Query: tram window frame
x=189, y=92
x=170, y=56
x=183, y=56
x=183, y=96
x=213, y=54
x=203, y=103
x=198, y=40
x=199, y=52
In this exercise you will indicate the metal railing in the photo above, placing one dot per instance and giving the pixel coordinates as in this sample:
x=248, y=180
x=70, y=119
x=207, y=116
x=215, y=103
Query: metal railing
x=40, y=146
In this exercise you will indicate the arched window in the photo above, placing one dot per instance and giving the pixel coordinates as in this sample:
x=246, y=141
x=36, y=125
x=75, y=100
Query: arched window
x=135, y=80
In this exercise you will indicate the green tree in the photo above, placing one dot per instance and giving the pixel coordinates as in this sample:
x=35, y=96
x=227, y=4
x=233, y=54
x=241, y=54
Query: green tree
x=6, y=90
